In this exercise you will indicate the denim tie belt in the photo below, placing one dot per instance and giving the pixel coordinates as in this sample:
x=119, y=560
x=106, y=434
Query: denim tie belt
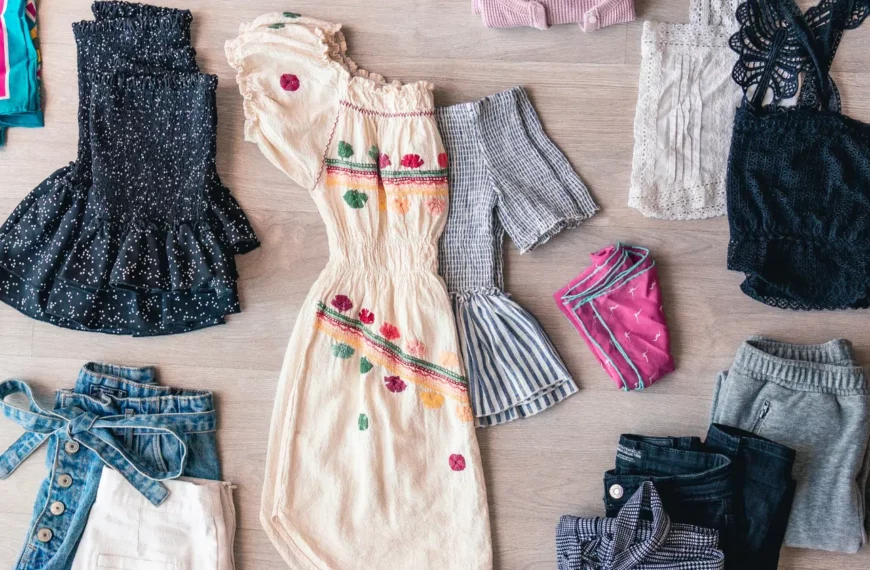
x=95, y=433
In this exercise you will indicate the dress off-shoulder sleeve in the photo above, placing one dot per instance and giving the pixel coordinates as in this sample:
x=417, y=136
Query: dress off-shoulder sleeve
x=291, y=87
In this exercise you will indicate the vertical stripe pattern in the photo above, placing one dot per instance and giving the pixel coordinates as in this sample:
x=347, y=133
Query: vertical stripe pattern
x=506, y=176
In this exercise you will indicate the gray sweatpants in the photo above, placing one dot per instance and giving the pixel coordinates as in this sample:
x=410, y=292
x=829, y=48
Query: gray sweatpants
x=816, y=400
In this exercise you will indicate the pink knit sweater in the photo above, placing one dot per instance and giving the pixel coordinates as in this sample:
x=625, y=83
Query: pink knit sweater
x=590, y=14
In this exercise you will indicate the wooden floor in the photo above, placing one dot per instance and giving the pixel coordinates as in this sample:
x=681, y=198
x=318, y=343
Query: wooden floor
x=585, y=88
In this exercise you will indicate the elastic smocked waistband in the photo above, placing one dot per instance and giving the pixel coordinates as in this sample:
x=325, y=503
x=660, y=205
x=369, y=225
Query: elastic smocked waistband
x=827, y=368
x=106, y=389
x=114, y=9
x=498, y=104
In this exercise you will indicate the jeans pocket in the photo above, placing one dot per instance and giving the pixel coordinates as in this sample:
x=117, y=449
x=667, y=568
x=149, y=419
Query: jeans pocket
x=107, y=562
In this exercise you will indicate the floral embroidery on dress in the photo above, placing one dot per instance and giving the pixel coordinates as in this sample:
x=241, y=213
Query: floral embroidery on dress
x=381, y=350
x=436, y=206
x=412, y=161
x=292, y=15
x=432, y=400
x=464, y=413
x=449, y=359
x=416, y=347
x=356, y=199
x=363, y=422
x=276, y=27
x=457, y=462
x=373, y=153
x=344, y=150
x=384, y=160
x=366, y=317
x=389, y=331
x=289, y=82
x=394, y=384
x=400, y=204
x=442, y=160
x=342, y=303
x=342, y=350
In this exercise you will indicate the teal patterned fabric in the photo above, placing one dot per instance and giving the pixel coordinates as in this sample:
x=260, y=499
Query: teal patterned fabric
x=20, y=104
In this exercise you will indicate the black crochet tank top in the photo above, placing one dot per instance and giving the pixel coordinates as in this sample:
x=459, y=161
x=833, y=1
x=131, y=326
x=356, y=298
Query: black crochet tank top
x=798, y=176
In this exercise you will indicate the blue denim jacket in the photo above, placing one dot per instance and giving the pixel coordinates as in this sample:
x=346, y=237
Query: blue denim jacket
x=116, y=416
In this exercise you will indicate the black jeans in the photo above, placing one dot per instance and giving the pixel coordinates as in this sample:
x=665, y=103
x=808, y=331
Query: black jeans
x=735, y=482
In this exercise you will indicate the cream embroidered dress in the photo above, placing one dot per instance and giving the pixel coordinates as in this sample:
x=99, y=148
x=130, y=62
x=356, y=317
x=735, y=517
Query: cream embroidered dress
x=373, y=460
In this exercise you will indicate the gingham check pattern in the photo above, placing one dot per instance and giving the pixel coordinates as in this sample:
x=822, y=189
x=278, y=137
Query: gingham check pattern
x=629, y=543
x=505, y=175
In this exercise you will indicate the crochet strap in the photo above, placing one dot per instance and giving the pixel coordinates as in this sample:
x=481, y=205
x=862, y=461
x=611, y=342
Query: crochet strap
x=777, y=42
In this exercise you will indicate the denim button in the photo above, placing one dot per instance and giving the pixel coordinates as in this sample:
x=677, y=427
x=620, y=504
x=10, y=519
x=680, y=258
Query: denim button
x=64, y=481
x=44, y=535
x=71, y=447
x=57, y=508
x=616, y=491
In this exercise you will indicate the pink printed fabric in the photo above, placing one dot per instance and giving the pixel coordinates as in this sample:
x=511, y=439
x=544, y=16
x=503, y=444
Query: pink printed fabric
x=589, y=14
x=616, y=305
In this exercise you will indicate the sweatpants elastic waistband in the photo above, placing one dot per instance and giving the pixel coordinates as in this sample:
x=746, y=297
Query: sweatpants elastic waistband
x=827, y=368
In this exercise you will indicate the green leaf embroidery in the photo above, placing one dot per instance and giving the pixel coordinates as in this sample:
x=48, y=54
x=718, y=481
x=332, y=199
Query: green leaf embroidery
x=363, y=422
x=365, y=365
x=291, y=15
x=355, y=198
x=342, y=350
x=276, y=26
x=344, y=150
x=374, y=153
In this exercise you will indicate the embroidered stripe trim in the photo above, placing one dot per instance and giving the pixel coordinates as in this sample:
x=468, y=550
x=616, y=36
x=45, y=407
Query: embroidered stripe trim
x=363, y=110
x=355, y=333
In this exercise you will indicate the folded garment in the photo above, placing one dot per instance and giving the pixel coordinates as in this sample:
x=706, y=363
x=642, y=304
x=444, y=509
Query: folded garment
x=616, y=305
x=541, y=14
x=193, y=529
x=628, y=541
x=735, y=482
x=20, y=104
x=816, y=399
x=117, y=417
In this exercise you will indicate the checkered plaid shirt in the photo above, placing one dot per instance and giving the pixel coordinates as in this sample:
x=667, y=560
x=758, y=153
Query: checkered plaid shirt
x=626, y=542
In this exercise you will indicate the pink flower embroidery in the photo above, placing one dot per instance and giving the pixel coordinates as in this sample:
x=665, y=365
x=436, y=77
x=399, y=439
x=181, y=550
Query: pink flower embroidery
x=384, y=161
x=416, y=348
x=395, y=384
x=289, y=82
x=342, y=303
x=366, y=317
x=442, y=160
x=390, y=332
x=457, y=462
x=412, y=161
x=436, y=206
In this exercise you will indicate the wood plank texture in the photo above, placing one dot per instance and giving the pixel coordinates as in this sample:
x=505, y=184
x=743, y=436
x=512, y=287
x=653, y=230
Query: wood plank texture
x=585, y=88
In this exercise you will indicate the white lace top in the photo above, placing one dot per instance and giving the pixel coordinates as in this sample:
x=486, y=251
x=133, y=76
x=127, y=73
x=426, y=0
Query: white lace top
x=685, y=111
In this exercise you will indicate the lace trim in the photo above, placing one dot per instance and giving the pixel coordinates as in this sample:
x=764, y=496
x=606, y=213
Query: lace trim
x=680, y=199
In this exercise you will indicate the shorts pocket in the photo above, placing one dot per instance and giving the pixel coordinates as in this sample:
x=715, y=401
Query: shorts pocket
x=107, y=562
x=760, y=417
